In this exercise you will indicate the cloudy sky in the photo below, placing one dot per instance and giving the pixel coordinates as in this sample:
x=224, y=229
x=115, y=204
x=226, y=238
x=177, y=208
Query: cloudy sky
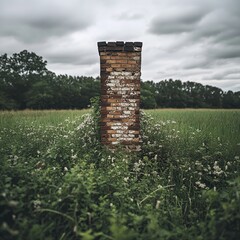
x=191, y=40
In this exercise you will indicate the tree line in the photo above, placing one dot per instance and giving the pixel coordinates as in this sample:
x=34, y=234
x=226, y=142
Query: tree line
x=25, y=82
x=178, y=94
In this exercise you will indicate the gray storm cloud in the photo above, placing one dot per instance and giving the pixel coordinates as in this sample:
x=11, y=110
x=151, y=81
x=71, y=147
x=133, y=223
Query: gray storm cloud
x=176, y=22
x=191, y=40
x=36, y=21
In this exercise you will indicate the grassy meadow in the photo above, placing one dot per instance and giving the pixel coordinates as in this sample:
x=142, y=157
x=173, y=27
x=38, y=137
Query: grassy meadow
x=58, y=182
x=214, y=124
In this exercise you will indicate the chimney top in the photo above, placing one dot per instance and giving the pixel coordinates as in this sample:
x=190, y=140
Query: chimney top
x=119, y=46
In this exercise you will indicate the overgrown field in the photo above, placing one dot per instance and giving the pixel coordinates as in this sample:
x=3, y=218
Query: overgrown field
x=57, y=182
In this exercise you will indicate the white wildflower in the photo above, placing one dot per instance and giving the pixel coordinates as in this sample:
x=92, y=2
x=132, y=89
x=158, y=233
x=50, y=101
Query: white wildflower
x=154, y=173
x=200, y=185
x=217, y=170
x=157, y=204
x=36, y=203
x=74, y=156
x=125, y=179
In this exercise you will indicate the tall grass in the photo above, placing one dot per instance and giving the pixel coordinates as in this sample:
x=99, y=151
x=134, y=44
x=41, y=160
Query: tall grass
x=58, y=182
x=37, y=117
x=214, y=124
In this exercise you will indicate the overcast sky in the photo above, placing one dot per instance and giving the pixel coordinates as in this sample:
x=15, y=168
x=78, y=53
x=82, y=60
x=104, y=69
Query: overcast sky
x=191, y=40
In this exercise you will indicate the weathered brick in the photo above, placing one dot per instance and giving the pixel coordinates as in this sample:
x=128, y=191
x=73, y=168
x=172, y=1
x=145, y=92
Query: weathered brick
x=132, y=62
x=104, y=66
x=102, y=44
x=111, y=44
x=129, y=48
x=119, y=43
x=137, y=44
x=111, y=131
x=120, y=93
x=105, y=57
x=121, y=60
x=126, y=65
x=120, y=69
x=116, y=65
x=111, y=61
x=109, y=69
x=122, y=54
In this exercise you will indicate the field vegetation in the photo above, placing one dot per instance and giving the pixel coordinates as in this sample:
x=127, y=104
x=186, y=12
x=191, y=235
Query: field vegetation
x=58, y=182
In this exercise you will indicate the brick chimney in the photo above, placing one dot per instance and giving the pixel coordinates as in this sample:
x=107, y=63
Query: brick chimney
x=120, y=93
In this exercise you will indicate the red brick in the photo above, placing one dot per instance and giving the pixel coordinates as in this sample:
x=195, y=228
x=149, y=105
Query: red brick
x=111, y=61
x=116, y=65
x=120, y=94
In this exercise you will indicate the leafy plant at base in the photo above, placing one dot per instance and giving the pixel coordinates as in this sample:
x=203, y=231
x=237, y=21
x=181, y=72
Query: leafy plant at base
x=61, y=184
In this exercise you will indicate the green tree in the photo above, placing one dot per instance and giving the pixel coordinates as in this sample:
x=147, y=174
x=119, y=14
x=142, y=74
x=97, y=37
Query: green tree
x=41, y=95
x=213, y=96
x=17, y=75
x=148, y=100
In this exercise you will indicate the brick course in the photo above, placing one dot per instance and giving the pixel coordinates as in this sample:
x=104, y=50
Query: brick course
x=120, y=66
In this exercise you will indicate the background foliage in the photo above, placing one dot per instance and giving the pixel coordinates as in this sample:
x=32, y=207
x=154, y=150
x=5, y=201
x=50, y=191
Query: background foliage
x=25, y=82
